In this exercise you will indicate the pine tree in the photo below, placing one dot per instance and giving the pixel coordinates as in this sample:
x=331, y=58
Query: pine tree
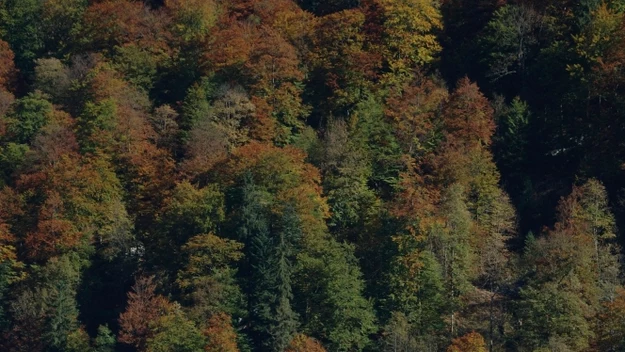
x=270, y=251
x=104, y=341
x=285, y=324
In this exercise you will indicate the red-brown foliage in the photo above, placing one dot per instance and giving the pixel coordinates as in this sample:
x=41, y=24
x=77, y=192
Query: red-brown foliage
x=8, y=72
x=144, y=308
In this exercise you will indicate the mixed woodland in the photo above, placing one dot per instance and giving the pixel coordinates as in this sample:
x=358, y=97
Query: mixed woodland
x=312, y=175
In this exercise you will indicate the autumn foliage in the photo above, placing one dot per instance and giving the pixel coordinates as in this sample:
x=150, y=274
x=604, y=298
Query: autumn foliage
x=311, y=175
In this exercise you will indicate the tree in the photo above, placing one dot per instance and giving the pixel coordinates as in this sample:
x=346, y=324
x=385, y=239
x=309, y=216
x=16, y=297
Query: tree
x=376, y=134
x=413, y=111
x=610, y=334
x=273, y=67
x=340, y=60
x=232, y=113
x=138, y=65
x=192, y=19
x=303, y=343
x=21, y=28
x=587, y=213
x=61, y=22
x=10, y=267
x=143, y=310
x=30, y=114
x=399, y=335
x=208, y=278
x=471, y=342
x=329, y=281
x=174, y=333
x=53, y=78
x=270, y=254
x=220, y=334
x=453, y=249
x=271, y=183
x=8, y=73
x=165, y=122
x=188, y=213
x=78, y=340
x=510, y=40
x=573, y=270
x=115, y=121
x=408, y=40
x=104, y=341
x=468, y=116
x=79, y=200
x=217, y=129
x=418, y=297
x=114, y=23
x=346, y=171
x=48, y=307
x=512, y=134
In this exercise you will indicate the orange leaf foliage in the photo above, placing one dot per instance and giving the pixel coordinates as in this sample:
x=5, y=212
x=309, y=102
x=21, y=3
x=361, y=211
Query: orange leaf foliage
x=119, y=22
x=144, y=308
x=221, y=335
x=231, y=44
x=303, y=343
x=471, y=342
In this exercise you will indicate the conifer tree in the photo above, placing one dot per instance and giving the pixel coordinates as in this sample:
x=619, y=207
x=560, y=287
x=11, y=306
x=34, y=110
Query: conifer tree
x=270, y=249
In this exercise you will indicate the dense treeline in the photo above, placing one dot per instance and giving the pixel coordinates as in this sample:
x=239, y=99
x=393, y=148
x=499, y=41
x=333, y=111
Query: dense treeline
x=273, y=175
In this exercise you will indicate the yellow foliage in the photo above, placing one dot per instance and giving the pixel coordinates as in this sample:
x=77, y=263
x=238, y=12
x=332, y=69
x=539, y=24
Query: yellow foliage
x=409, y=30
x=598, y=36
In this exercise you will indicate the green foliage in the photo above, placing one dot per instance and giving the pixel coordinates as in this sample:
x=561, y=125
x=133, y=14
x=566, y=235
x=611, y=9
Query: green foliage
x=552, y=316
x=374, y=133
x=175, y=333
x=509, y=40
x=30, y=114
x=569, y=273
x=104, y=341
x=399, y=335
x=21, y=21
x=192, y=19
x=419, y=299
x=12, y=156
x=96, y=124
x=209, y=277
x=196, y=106
x=188, y=213
x=193, y=211
x=78, y=341
x=347, y=170
x=512, y=134
x=409, y=37
x=270, y=254
x=58, y=296
x=62, y=23
x=139, y=66
x=288, y=175
x=454, y=237
x=333, y=307
x=52, y=78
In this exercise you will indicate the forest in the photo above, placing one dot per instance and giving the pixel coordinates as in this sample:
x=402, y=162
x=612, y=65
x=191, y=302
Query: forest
x=312, y=175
